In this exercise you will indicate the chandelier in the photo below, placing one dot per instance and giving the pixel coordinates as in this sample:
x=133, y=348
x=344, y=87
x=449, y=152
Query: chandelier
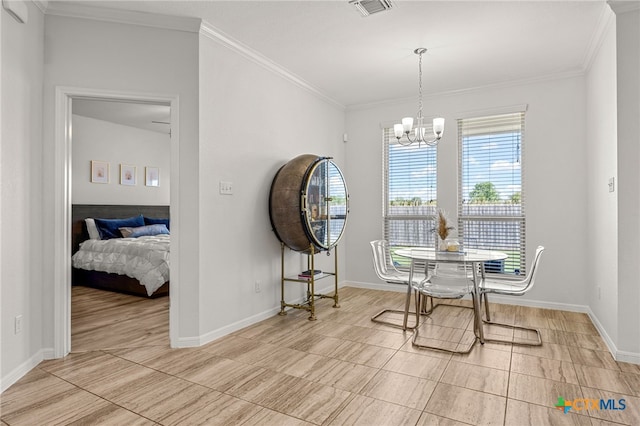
x=403, y=131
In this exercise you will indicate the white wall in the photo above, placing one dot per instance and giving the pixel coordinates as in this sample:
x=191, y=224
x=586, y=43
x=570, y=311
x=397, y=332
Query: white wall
x=117, y=57
x=117, y=144
x=602, y=211
x=554, y=174
x=252, y=121
x=21, y=176
x=628, y=132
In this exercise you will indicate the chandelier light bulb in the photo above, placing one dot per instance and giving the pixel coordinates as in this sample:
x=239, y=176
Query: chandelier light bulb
x=407, y=124
x=438, y=126
x=398, y=130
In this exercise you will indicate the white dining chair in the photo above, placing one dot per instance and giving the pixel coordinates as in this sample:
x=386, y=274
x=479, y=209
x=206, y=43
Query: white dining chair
x=386, y=270
x=447, y=281
x=511, y=288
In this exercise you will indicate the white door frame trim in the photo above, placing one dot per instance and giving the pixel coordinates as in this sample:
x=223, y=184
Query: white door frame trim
x=62, y=208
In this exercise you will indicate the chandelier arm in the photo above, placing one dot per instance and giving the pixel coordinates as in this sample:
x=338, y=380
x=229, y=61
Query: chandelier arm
x=420, y=131
x=416, y=139
x=433, y=142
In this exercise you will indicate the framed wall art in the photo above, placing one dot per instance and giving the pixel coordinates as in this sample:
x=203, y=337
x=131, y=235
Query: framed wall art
x=99, y=172
x=152, y=176
x=127, y=175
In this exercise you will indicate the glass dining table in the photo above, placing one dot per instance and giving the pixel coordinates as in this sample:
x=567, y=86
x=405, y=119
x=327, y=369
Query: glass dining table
x=428, y=256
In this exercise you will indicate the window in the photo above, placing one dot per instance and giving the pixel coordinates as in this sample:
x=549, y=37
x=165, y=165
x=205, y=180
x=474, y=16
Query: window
x=410, y=185
x=491, y=212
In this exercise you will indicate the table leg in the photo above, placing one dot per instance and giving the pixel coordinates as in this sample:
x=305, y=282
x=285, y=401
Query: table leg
x=476, y=306
x=408, y=299
x=486, y=301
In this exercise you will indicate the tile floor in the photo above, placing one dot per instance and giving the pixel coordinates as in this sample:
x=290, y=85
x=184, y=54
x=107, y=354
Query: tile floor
x=339, y=370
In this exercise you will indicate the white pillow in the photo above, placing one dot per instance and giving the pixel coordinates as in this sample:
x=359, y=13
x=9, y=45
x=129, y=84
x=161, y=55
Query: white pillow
x=93, y=230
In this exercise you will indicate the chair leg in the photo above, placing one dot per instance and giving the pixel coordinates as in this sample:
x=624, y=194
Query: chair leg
x=404, y=312
x=418, y=298
x=437, y=348
x=423, y=306
x=376, y=319
x=538, y=341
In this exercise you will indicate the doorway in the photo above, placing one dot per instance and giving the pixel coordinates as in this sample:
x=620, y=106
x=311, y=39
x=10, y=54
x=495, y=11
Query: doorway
x=129, y=137
x=65, y=97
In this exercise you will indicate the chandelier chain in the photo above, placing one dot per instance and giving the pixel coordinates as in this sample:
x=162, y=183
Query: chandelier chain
x=420, y=86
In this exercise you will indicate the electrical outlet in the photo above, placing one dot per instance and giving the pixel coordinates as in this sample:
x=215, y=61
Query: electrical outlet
x=258, y=286
x=17, y=325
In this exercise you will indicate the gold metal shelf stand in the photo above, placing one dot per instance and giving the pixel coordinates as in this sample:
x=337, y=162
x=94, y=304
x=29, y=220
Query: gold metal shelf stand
x=309, y=303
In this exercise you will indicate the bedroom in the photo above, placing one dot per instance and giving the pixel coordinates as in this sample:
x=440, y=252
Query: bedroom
x=253, y=130
x=119, y=136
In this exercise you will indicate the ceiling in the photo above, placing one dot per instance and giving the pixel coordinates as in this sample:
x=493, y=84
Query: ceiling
x=147, y=116
x=357, y=60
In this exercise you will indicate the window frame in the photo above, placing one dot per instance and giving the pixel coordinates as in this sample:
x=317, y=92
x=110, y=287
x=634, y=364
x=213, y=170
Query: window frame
x=418, y=224
x=489, y=128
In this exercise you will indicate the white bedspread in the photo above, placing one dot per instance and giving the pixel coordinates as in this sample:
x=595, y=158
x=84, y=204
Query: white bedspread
x=144, y=258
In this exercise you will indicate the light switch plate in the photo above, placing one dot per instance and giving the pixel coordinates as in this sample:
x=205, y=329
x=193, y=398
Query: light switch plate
x=226, y=188
x=612, y=184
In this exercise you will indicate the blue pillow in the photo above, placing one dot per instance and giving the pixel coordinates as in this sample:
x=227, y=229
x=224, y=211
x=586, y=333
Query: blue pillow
x=110, y=228
x=142, y=231
x=154, y=221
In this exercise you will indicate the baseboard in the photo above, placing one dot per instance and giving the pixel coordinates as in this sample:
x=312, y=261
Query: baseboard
x=21, y=370
x=532, y=303
x=603, y=333
x=246, y=322
x=630, y=357
x=519, y=301
x=399, y=288
x=48, y=353
x=227, y=329
x=618, y=355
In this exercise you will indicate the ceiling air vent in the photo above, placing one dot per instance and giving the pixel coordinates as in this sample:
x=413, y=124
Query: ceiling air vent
x=369, y=7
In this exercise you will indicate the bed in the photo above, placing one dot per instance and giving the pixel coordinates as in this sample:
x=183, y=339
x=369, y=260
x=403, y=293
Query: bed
x=149, y=265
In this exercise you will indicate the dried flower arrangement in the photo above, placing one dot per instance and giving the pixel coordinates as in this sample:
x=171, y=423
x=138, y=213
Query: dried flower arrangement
x=442, y=227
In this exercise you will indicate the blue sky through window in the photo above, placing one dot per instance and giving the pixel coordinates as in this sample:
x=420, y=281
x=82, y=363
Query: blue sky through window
x=486, y=158
x=412, y=173
x=492, y=158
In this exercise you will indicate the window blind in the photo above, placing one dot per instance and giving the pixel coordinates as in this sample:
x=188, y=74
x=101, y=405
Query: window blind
x=409, y=192
x=491, y=202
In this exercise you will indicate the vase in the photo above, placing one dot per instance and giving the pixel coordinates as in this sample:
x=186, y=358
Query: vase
x=442, y=244
x=454, y=245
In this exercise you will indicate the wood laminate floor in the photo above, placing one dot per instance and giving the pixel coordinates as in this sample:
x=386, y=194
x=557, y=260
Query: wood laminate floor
x=108, y=320
x=339, y=370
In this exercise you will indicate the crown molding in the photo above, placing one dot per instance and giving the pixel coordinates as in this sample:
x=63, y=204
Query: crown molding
x=229, y=42
x=456, y=92
x=194, y=25
x=83, y=11
x=605, y=21
x=41, y=4
x=623, y=6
